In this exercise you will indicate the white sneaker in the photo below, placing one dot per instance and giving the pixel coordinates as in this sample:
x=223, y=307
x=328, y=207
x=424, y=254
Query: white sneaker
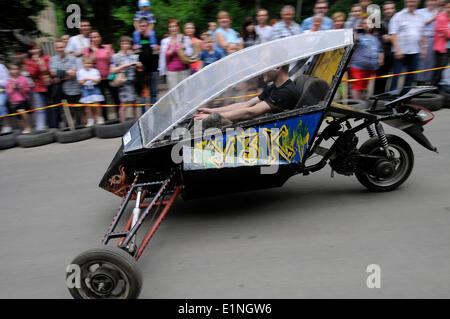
x=6, y=129
x=26, y=131
x=100, y=120
x=90, y=122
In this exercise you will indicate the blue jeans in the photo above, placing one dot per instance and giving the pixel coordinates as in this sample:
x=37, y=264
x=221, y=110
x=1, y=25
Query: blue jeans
x=154, y=77
x=40, y=117
x=409, y=62
x=3, y=108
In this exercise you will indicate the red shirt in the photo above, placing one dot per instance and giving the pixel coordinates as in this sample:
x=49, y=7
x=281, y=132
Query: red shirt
x=102, y=59
x=40, y=78
x=441, y=33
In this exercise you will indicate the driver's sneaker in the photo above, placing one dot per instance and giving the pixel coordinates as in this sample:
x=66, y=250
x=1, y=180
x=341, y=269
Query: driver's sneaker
x=6, y=129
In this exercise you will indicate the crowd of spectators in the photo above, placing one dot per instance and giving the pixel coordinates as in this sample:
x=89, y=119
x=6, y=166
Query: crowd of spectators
x=85, y=70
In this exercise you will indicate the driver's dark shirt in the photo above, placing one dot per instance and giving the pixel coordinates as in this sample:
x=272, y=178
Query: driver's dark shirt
x=282, y=98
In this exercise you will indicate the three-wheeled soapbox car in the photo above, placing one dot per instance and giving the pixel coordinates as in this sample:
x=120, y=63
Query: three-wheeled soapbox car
x=165, y=154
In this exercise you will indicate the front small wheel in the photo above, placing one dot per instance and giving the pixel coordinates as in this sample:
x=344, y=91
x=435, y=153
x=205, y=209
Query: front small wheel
x=387, y=174
x=106, y=272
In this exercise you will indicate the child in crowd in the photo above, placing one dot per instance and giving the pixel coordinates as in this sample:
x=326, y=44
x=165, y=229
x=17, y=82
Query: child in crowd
x=18, y=91
x=209, y=55
x=89, y=78
x=144, y=7
x=367, y=58
x=232, y=47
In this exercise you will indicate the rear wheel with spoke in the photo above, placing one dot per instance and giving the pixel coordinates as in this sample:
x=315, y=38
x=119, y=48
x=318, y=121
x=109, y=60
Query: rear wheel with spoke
x=389, y=173
x=106, y=273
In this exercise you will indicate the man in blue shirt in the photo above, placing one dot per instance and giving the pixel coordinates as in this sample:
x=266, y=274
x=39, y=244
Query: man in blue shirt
x=321, y=7
x=143, y=33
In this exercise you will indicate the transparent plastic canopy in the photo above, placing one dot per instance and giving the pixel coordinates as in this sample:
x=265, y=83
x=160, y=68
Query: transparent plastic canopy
x=211, y=81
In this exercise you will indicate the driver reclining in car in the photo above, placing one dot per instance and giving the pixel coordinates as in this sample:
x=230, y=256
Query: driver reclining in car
x=280, y=96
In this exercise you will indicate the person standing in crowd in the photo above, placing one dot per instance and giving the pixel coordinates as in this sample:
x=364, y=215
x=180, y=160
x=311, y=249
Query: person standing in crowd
x=364, y=6
x=65, y=38
x=144, y=12
x=320, y=8
x=189, y=30
x=18, y=91
x=442, y=42
x=248, y=33
x=38, y=66
x=4, y=76
x=63, y=69
x=429, y=14
x=367, y=57
x=338, y=20
x=78, y=43
x=89, y=77
x=143, y=33
x=445, y=81
x=125, y=61
x=409, y=43
x=225, y=34
x=147, y=48
x=263, y=30
x=287, y=26
x=355, y=19
x=170, y=63
x=212, y=27
x=101, y=54
x=209, y=55
x=316, y=23
x=388, y=12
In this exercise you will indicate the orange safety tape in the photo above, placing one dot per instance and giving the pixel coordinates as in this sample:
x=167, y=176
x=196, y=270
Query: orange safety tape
x=218, y=99
x=392, y=75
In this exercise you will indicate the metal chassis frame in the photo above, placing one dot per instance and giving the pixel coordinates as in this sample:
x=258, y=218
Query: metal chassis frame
x=167, y=187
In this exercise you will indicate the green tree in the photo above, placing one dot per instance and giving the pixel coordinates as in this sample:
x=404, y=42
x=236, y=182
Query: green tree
x=17, y=23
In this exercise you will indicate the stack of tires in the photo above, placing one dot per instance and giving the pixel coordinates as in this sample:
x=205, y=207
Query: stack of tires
x=111, y=129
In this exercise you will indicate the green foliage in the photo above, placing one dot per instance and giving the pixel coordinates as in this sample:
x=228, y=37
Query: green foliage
x=19, y=16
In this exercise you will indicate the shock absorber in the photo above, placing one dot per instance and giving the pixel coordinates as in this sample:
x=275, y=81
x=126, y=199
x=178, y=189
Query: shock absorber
x=383, y=139
x=371, y=131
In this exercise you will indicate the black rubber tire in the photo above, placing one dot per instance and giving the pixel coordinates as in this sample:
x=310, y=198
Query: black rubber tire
x=373, y=146
x=430, y=101
x=112, y=129
x=123, y=263
x=446, y=100
x=66, y=135
x=358, y=104
x=37, y=138
x=8, y=140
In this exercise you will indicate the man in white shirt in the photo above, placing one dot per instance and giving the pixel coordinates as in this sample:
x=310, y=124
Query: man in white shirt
x=79, y=42
x=408, y=41
x=263, y=30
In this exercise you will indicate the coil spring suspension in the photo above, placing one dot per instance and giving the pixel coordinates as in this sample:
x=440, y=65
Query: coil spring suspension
x=371, y=132
x=383, y=139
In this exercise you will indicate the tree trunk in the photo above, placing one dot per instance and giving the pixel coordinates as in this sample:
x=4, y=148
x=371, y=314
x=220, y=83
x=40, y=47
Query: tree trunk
x=102, y=10
x=299, y=9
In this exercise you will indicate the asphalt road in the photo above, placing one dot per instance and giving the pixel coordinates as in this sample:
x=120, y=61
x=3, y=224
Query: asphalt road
x=312, y=238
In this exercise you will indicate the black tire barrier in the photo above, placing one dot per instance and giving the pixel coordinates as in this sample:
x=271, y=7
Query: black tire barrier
x=430, y=101
x=37, y=138
x=79, y=134
x=358, y=104
x=446, y=100
x=8, y=140
x=113, y=128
